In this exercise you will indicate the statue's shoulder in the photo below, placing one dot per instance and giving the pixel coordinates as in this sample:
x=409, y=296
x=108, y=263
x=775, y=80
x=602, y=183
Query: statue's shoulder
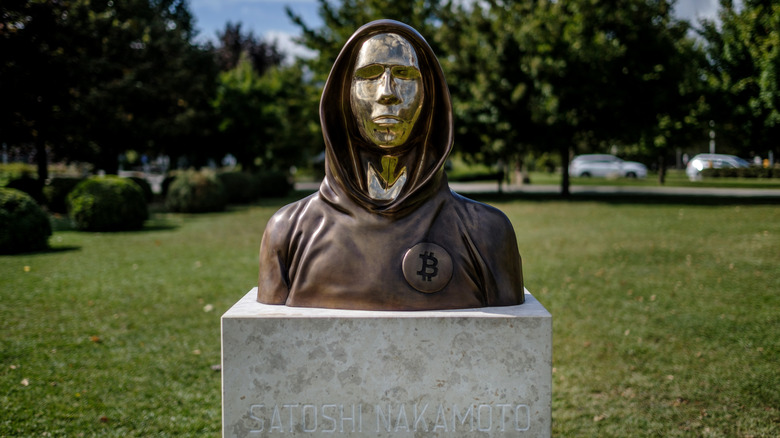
x=480, y=215
x=291, y=214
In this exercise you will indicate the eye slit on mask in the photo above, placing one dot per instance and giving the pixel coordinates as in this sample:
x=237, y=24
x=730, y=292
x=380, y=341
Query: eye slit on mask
x=372, y=71
x=405, y=72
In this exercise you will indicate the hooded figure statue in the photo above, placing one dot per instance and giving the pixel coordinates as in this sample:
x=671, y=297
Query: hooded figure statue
x=385, y=232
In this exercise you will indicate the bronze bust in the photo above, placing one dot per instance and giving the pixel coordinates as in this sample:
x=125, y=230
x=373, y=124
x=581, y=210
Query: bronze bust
x=385, y=232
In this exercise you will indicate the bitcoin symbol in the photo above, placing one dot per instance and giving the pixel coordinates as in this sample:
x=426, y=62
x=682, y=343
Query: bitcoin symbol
x=427, y=267
x=429, y=261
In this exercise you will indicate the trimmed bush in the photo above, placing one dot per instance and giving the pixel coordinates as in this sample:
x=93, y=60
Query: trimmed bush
x=144, y=185
x=29, y=185
x=24, y=226
x=166, y=184
x=196, y=192
x=107, y=203
x=240, y=187
x=56, y=193
x=272, y=184
x=742, y=172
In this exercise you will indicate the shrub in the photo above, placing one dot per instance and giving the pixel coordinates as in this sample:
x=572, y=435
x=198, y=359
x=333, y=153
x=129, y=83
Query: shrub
x=12, y=171
x=742, y=172
x=240, y=187
x=166, y=183
x=272, y=184
x=546, y=162
x=29, y=185
x=56, y=193
x=107, y=203
x=24, y=226
x=196, y=192
x=144, y=185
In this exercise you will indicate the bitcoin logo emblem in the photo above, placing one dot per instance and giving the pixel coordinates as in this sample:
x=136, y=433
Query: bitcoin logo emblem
x=429, y=261
x=427, y=267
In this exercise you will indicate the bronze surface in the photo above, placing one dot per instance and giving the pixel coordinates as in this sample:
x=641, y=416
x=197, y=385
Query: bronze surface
x=385, y=232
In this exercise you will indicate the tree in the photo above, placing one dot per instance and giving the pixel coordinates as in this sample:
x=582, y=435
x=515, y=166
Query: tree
x=343, y=19
x=35, y=75
x=488, y=80
x=266, y=120
x=743, y=71
x=679, y=100
x=561, y=76
x=233, y=44
x=89, y=80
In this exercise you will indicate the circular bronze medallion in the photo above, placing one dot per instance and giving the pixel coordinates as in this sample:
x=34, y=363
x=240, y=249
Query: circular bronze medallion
x=427, y=267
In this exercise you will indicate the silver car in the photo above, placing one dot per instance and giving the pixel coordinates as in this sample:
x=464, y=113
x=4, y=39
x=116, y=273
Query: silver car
x=712, y=161
x=603, y=165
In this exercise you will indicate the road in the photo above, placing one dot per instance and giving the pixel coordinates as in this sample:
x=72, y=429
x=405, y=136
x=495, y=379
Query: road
x=492, y=187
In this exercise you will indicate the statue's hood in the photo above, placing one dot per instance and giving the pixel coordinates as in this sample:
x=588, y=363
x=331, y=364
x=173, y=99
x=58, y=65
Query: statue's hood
x=348, y=154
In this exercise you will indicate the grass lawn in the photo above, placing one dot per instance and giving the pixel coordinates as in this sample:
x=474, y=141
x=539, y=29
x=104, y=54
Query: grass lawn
x=666, y=320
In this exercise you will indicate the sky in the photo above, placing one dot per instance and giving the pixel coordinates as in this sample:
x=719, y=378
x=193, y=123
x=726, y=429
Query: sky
x=267, y=18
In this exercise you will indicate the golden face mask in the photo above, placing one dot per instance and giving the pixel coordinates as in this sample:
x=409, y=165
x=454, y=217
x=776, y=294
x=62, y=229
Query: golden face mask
x=386, y=93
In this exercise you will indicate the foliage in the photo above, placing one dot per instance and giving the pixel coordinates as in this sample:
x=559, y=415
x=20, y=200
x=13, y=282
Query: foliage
x=268, y=120
x=144, y=185
x=167, y=181
x=12, y=171
x=273, y=184
x=233, y=44
x=196, y=192
x=239, y=187
x=29, y=185
x=743, y=172
x=107, y=203
x=744, y=73
x=87, y=80
x=56, y=192
x=243, y=187
x=24, y=226
x=550, y=76
x=341, y=20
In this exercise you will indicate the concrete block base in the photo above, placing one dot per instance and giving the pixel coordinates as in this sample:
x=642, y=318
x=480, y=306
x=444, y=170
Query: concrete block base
x=323, y=372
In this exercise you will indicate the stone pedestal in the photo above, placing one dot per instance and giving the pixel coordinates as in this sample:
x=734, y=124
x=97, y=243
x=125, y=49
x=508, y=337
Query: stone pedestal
x=322, y=372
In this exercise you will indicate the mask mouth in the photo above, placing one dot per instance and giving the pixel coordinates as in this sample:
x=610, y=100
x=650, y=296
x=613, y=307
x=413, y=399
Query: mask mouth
x=387, y=120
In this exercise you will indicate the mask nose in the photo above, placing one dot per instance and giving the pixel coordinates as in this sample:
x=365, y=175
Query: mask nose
x=387, y=92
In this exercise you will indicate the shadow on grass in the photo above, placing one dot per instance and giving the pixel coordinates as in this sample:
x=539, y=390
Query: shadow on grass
x=157, y=225
x=633, y=199
x=61, y=223
x=293, y=196
x=50, y=250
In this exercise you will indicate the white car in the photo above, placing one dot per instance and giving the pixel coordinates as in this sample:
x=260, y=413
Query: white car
x=603, y=165
x=712, y=161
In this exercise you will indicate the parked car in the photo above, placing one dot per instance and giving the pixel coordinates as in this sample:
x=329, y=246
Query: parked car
x=603, y=165
x=712, y=161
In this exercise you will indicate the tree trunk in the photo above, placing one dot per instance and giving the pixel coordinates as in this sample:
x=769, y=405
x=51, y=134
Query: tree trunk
x=564, y=150
x=661, y=169
x=42, y=160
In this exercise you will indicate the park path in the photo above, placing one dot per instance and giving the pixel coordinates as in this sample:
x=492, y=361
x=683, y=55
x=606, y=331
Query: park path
x=492, y=187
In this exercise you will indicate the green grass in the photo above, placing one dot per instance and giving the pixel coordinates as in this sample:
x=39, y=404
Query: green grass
x=665, y=318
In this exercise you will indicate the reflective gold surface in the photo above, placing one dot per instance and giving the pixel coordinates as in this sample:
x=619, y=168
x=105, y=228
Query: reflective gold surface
x=386, y=93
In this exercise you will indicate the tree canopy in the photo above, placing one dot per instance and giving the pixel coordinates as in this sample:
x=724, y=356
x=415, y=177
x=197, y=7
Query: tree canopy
x=743, y=50
x=89, y=80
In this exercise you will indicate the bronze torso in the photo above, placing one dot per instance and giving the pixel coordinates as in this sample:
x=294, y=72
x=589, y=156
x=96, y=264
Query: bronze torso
x=384, y=232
